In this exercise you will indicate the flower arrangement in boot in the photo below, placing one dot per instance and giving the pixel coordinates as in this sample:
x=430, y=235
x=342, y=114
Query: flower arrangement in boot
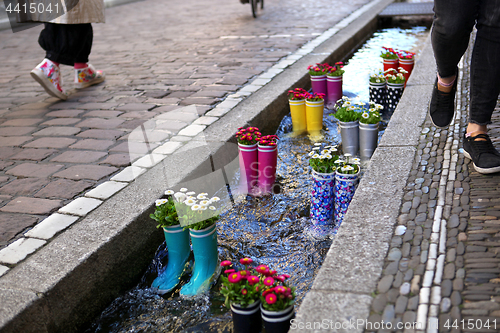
x=348, y=165
x=336, y=70
x=389, y=53
x=268, y=140
x=322, y=160
x=402, y=54
x=315, y=97
x=396, y=76
x=248, y=136
x=296, y=94
x=319, y=69
x=346, y=110
x=276, y=294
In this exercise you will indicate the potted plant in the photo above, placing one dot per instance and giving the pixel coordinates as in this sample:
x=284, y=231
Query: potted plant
x=346, y=178
x=268, y=159
x=277, y=300
x=241, y=291
x=395, y=86
x=315, y=104
x=407, y=62
x=247, y=147
x=334, y=84
x=296, y=100
x=322, y=161
x=378, y=88
x=181, y=215
x=389, y=58
x=368, y=130
x=318, y=77
x=348, y=116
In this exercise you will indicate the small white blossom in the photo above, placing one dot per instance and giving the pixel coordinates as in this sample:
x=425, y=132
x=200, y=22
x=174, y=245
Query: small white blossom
x=315, y=156
x=212, y=208
x=203, y=207
x=316, y=148
x=311, y=154
x=204, y=203
x=365, y=115
x=202, y=196
x=169, y=192
x=195, y=207
x=377, y=80
x=190, y=202
x=347, y=168
x=180, y=197
x=214, y=199
x=183, y=189
x=191, y=193
x=356, y=160
x=317, y=144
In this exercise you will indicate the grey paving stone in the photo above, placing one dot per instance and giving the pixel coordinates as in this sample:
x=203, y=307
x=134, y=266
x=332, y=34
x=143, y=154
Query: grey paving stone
x=385, y=283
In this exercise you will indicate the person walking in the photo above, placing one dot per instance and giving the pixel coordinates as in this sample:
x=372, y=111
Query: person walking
x=453, y=24
x=67, y=40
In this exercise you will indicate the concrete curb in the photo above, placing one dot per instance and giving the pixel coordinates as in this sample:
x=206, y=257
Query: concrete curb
x=70, y=280
x=342, y=291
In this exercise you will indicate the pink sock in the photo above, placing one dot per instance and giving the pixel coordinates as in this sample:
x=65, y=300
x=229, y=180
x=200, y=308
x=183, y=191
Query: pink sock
x=80, y=65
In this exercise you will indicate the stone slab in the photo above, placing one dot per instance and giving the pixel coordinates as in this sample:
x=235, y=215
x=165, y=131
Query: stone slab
x=80, y=206
x=51, y=225
x=18, y=250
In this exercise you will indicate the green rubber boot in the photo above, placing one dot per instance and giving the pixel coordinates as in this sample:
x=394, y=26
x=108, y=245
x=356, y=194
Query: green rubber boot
x=178, y=253
x=205, y=261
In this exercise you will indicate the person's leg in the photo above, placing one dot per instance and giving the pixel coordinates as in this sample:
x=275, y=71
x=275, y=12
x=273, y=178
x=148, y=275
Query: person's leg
x=485, y=89
x=453, y=23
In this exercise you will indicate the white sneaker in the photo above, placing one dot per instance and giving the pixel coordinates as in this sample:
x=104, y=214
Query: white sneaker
x=48, y=75
x=88, y=76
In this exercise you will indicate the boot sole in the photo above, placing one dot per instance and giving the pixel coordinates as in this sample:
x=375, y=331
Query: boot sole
x=39, y=77
x=479, y=169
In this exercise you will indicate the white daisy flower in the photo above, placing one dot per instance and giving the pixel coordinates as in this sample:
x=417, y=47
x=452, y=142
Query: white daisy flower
x=311, y=154
x=180, y=197
x=204, y=203
x=365, y=115
x=317, y=144
x=195, y=207
x=212, y=208
x=325, y=151
x=214, y=199
x=315, y=156
x=159, y=202
x=190, y=202
x=183, y=189
x=203, y=207
x=316, y=148
x=328, y=156
x=191, y=193
x=202, y=196
x=347, y=168
x=322, y=157
x=339, y=161
x=356, y=160
x=169, y=192
x=377, y=80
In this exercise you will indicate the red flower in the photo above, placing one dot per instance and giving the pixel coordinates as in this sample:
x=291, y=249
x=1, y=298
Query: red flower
x=244, y=291
x=269, y=281
x=262, y=269
x=280, y=289
x=252, y=279
x=268, y=292
x=229, y=271
x=246, y=261
x=225, y=263
x=234, y=277
x=271, y=298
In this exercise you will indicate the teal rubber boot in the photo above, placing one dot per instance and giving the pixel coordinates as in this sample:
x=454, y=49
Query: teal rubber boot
x=178, y=254
x=205, y=261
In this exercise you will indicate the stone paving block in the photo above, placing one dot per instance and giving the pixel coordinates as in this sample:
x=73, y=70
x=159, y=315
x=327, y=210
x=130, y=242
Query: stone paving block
x=51, y=226
x=101, y=134
x=135, y=107
x=23, y=186
x=80, y=206
x=13, y=224
x=93, y=172
x=167, y=148
x=58, y=131
x=100, y=123
x=149, y=160
x=102, y=114
x=61, y=122
x=192, y=130
x=16, y=131
x=106, y=190
x=27, y=205
x=79, y=156
x=54, y=142
x=128, y=174
x=180, y=115
x=205, y=120
x=148, y=135
x=6, y=152
x=98, y=106
x=3, y=269
x=63, y=189
x=169, y=125
x=18, y=250
x=65, y=105
x=64, y=113
x=138, y=115
x=118, y=160
x=40, y=170
x=22, y=122
x=6, y=141
x=92, y=144
x=33, y=154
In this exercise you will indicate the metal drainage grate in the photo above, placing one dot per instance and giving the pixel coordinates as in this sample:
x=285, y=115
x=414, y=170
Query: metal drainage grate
x=408, y=9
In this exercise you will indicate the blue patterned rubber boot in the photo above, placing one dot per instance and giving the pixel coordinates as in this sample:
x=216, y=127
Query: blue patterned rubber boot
x=205, y=261
x=178, y=253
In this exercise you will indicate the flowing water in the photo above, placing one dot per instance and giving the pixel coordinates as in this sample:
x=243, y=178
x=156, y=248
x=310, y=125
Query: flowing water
x=270, y=230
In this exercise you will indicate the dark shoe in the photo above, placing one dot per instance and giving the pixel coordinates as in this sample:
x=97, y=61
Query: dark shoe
x=442, y=106
x=480, y=150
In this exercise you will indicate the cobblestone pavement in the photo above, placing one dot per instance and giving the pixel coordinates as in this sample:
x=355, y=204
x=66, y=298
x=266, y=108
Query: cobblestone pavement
x=158, y=56
x=442, y=268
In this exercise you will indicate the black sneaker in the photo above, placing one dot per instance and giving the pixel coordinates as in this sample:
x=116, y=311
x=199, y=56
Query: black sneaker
x=442, y=106
x=480, y=150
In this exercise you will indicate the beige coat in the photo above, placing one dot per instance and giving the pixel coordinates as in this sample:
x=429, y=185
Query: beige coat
x=85, y=11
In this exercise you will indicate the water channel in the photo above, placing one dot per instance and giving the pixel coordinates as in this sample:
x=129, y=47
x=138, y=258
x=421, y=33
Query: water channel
x=270, y=230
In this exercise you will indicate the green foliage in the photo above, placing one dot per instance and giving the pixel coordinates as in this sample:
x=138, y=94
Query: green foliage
x=322, y=160
x=165, y=213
